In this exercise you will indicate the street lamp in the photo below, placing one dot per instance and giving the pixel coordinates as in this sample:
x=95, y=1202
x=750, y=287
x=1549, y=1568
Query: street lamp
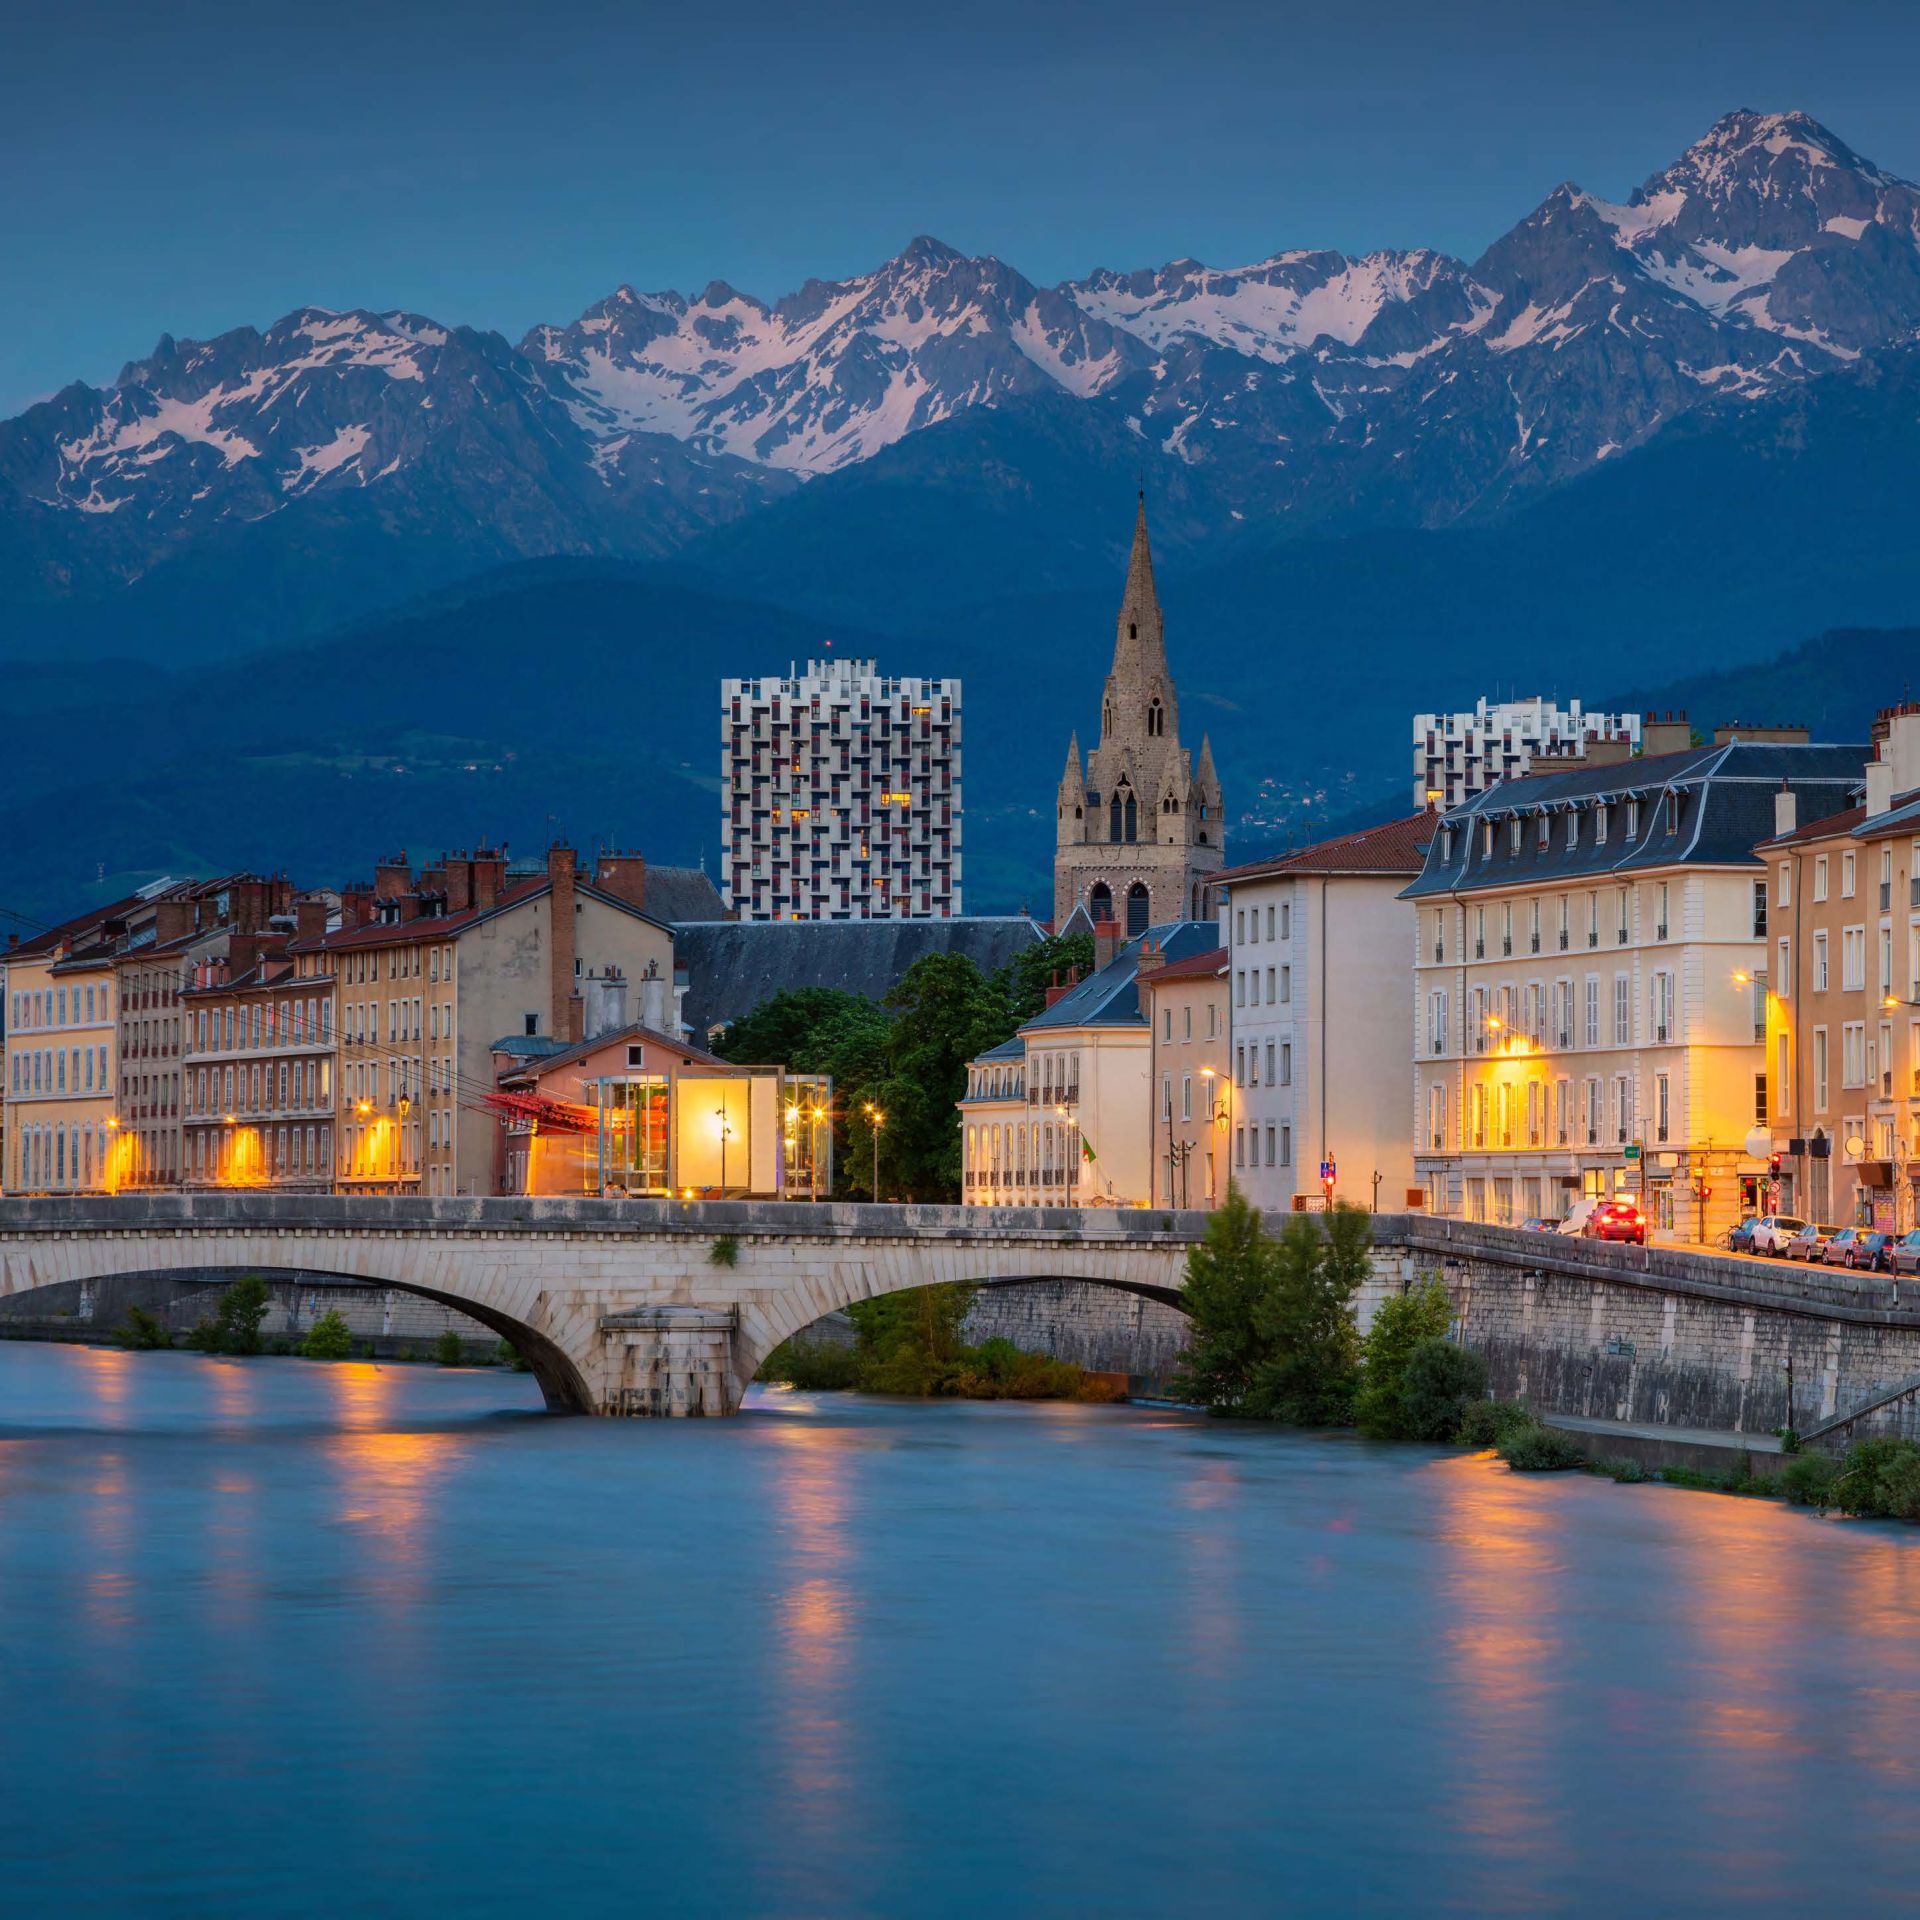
x=815, y=1114
x=726, y=1134
x=876, y=1120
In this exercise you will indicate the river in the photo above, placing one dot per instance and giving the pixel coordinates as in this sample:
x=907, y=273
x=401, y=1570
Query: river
x=304, y=1639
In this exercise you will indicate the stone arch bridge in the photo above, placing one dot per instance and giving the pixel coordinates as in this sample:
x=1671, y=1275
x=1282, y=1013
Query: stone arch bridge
x=619, y=1306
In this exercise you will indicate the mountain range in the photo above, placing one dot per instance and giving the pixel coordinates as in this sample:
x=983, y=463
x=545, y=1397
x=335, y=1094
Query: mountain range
x=1632, y=441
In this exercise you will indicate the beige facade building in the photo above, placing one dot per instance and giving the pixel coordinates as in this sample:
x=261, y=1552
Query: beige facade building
x=1842, y=988
x=1139, y=829
x=431, y=971
x=1584, y=1008
x=1320, y=962
x=1188, y=1015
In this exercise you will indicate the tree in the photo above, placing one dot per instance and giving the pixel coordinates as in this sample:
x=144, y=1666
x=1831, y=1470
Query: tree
x=1311, y=1362
x=911, y=1342
x=1230, y=1275
x=945, y=1011
x=236, y=1320
x=1025, y=978
x=329, y=1338
x=1440, y=1383
x=450, y=1350
x=144, y=1331
x=1402, y=1322
x=779, y=1030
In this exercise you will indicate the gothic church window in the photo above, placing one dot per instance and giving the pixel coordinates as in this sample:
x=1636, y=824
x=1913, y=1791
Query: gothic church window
x=1137, y=910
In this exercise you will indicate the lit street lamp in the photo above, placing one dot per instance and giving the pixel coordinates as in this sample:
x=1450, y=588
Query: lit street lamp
x=876, y=1120
x=726, y=1134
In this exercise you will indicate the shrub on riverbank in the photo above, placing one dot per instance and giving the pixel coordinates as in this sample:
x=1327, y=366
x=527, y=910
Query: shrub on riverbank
x=1440, y=1383
x=1530, y=1446
x=450, y=1350
x=144, y=1332
x=329, y=1338
x=1879, y=1480
x=1807, y=1480
x=911, y=1344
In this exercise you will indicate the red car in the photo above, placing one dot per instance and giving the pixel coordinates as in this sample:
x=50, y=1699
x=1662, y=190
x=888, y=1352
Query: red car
x=1617, y=1220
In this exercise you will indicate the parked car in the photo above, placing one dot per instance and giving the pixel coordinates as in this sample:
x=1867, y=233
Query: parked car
x=1810, y=1243
x=1740, y=1240
x=1539, y=1223
x=1618, y=1220
x=1771, y=1232
x=1857, y=1247
x=1903, y=1256
x=1576, y=1217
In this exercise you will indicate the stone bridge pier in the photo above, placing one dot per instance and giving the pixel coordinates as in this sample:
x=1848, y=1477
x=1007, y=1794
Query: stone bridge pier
x=622, y=1307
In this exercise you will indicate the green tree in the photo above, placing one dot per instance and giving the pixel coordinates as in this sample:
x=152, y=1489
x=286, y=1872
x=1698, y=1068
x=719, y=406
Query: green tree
x=236, y=1320
x=1311, y=1363
x=945, y=1011
x=1230, y=1277
x=1025, y=978
x=329, y=1338
x=1402, y=1322
x=778, y=1031
x=911, y=1342
x=450, y=1350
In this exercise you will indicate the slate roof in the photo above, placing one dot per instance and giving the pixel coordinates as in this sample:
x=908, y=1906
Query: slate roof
x=1111, y=997
x=517, y=893
x=1396, y=846
x=1725, y=809
x=734, y=966
x=683, y=893
x=565, y=1053
x=1014, y=1049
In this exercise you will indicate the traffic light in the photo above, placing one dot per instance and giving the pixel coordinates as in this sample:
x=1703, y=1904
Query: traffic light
x=1773, y=1167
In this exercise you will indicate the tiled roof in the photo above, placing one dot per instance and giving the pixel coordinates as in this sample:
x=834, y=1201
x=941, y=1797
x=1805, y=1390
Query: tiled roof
x=1111, y=997
x=1397, y=846
x=1724, y=794
x=438, y=926
x=1211, y=965
x=571, y=1051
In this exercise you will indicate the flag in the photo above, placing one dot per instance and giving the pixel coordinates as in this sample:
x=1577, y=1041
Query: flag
x=1086, y=1147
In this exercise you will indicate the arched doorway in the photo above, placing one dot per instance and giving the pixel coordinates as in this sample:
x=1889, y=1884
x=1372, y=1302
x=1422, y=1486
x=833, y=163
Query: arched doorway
x=1137, y=910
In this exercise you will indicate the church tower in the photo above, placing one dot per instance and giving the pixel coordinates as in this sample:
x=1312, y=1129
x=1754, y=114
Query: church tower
x=1139, y=830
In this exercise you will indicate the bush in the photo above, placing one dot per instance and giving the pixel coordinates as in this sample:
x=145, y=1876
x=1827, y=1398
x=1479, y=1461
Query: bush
x=725, y=1251
x=144, y=1332
x=1629, y=1473
x=1485, y=1423
x=204, y=1336
x=1530, y=1447
x=1880, y=1480
x=1807, y=1480
x=506, y=1354
x=1440, y=1383
x=1404, y=1322
x=450, y=1350
x=328, y=1338
x=814, y=1366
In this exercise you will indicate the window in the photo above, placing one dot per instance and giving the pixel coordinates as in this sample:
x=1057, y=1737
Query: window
x=1783, y=971
x=1436, y=1022
x=1784, y=892
x=1853, y=1054
x=1593, y=1010
x=1437, y=1118
x=1759, y=909
x=1662, y=1107
x=1782, y=1069
x=1186, y=1096
x=1286, y=1145
x=1286, y=1062
x=1853, y=959
x=1820, y=1070
x=1847, y=864
x=1600, y=824
x=1270, y=986
x=1573, y=828
x=1662, y=1008
x=1622, y=1011
x=1820, y=962
x=1820, y=876
x=1286, y=986
x=1270, y=1080
x=1661, y=896
x=1270, y=1146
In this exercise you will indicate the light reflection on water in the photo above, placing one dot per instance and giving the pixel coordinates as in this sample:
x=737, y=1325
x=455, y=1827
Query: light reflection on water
x=303, y=1639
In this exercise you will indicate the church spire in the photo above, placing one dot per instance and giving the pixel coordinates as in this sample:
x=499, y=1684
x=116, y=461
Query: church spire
x=1139, y=644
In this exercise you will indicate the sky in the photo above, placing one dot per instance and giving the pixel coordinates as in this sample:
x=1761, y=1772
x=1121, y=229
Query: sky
x=205, y=165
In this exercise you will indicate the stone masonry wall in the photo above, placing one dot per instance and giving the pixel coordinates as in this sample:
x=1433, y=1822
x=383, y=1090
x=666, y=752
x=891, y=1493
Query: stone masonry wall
x=1098, y=1327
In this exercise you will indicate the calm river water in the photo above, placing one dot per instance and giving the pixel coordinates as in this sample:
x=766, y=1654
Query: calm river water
x=293, y=1639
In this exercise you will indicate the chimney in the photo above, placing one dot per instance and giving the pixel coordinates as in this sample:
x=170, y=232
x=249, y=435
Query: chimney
x=487, y=878
x=1672, y=734
x=1595, y=752
x=605, y=1003
x=1151, y=959
x=392, y=876
x=1786, y=811
x=1106, y=942
x=568, y=1014
x=653, y=999
x=624, y=875
x=309, y=918
x=1770, y=731
x=172, y=920
x=243, y=949
x=1896, y=733
x=457, y=876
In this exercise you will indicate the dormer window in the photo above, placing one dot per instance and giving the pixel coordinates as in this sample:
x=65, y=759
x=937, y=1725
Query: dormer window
x=1573, y=828
x=1513, y=835
x=1633, y=819
x=1673, y=813
x=1543, y=830
x=1600, y=823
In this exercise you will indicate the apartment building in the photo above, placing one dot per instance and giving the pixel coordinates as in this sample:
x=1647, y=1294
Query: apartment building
x=1457, y=756
x=1064, y=1108
x=840, y=795
x=429, y=971
x=1586, y=1014
x=1319, y=949
x=1843, y=994
x=1188, y=1016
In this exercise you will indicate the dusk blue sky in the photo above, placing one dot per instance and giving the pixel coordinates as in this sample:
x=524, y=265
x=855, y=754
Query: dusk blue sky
x=201, y=166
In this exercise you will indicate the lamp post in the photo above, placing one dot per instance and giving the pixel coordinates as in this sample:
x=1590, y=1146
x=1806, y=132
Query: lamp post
x=726, y=1134
x=1074, y=1152
x=405, y=1104
x=814, y=1117
x=875, y=1120
x=1216, y=1099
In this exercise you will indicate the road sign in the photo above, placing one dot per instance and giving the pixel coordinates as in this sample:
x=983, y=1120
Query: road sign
x=1327, y=1171
x=1633, y=1150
